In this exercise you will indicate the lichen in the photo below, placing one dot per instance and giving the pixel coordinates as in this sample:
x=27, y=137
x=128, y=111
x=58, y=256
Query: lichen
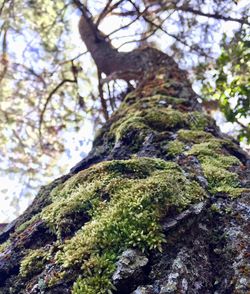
x=125, y=201
x=33, y=262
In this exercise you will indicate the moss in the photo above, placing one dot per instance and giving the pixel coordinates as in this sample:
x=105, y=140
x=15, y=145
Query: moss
x=220, y=179
x=82, y=193
x=208, y=148
x=131, y=123
x=33, y=262
x=155, y=113
x=4, y=246
x=175, y=147
x=130, y=98
x=197, y=120
x=216, y=167
x=101, y=268
x=161, y=100
x=26, y=224
x=193, y=136
x=215, y=208
x=140, y=192
x=164, y=119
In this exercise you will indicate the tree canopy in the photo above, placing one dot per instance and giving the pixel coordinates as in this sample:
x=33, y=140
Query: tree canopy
x=49, y=83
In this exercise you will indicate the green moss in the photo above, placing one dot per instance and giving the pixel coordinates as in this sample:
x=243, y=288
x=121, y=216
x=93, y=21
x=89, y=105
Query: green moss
x=215, y=208
x=164, y=119
x=175, y=147
x=161, y=100
x=140, y=192
x=197, y=120
x=130, y=98
x=154, y=113
x=100, y=268
x=216, y=167
x=4, y=246
x=33, y=262
x=208, y=148
x=220, y=179
x=134, y=126
x=26, y=224
x=194, y=136
x=83, y=193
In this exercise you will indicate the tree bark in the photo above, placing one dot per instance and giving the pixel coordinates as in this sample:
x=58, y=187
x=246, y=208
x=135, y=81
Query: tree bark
x=160, y=205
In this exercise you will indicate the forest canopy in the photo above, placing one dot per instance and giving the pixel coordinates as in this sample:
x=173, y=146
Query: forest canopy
x=52, y=96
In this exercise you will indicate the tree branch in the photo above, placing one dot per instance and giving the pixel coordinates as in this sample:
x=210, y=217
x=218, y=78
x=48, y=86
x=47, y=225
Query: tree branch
x=41, y=119
x=212, y=15
x=107, y=9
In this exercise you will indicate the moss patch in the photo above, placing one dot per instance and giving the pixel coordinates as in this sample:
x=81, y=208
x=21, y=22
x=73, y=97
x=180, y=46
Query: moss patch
x=194, y=136
x=153, y=113
x=216, y=167
x=33, y=262
x=4, y=246
x=197, y=120
x=164, y=119
x=125, y=201
x=208, y=148
x=175, y=147
x=26, y=224
x=141, y=122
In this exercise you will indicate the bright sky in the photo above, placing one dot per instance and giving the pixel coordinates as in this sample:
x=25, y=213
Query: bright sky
x=13, y=185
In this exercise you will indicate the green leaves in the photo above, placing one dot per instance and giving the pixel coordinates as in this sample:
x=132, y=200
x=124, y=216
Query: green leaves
x=230, y=84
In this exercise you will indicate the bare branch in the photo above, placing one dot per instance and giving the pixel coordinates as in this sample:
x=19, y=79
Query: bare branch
x=107, y=10
x=103, y=13
x=41, y=119
x=31, y=71
x=212, y=15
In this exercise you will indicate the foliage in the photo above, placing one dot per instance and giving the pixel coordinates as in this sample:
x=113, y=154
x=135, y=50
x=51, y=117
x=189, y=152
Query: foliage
x=230, y=84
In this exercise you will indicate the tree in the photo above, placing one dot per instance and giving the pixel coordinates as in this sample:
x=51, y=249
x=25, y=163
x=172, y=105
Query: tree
x=160, y=205
x=48, y=84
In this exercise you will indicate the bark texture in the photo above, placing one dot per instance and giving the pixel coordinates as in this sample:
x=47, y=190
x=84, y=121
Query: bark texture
x=160, y=205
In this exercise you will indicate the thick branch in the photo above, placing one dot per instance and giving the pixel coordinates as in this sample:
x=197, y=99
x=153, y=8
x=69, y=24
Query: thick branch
x=123, y=65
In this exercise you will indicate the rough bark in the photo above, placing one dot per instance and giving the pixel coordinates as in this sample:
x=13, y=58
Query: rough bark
x=160, y=205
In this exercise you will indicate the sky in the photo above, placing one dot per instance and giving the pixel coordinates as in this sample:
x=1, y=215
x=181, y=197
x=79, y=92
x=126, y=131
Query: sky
x=12, y=185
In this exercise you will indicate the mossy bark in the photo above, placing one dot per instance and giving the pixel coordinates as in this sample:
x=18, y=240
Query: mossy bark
x=160, y=180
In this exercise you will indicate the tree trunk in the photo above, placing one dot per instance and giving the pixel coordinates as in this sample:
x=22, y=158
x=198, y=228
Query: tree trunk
x=160, y=205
